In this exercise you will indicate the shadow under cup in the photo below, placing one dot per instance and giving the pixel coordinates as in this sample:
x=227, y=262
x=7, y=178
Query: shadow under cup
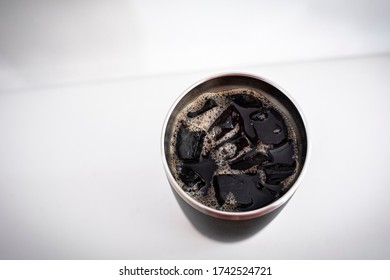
x=231, y=226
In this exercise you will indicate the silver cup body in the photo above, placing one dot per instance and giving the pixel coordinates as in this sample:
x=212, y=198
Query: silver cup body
x=221, y=82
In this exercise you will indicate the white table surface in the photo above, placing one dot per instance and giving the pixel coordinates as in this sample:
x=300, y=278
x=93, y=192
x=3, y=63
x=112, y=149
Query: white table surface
x=81, y=175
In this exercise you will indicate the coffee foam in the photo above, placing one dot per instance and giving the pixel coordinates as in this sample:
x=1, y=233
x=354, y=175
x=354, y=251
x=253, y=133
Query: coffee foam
x=203, y=123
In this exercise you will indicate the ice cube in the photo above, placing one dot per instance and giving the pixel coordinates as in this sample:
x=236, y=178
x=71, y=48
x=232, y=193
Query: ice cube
x=189, y=177
x=283, y=154
x=246, y=189
x=208, y=105
x=245, y=100
x=277, y=173
x=238, y=185
x=245, y=122
x=269, y=126
x=248, y=160
x=226, y=122
x=189, y=143
x=205, y=168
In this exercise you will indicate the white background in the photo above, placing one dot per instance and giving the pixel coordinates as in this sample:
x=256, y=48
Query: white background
x=78, y=79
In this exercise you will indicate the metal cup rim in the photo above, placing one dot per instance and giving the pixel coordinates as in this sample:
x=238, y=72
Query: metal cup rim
x=234, y=215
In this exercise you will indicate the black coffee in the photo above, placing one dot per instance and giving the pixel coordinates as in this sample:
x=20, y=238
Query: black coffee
x=233, y=150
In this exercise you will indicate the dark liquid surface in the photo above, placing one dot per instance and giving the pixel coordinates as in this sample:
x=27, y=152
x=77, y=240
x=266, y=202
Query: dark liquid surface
x=234, y=151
